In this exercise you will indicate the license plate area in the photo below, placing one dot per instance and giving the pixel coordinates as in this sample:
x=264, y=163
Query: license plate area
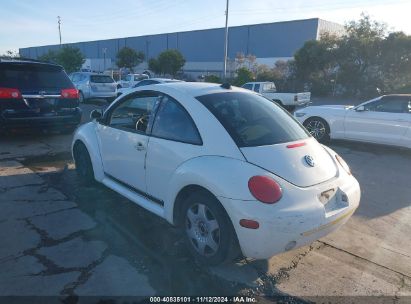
x=333, y=199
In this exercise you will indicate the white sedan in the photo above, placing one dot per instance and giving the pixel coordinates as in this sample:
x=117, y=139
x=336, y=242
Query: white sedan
x=236, y=172
x=383, y=120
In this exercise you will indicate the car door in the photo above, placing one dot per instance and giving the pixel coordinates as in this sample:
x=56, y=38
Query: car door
x=174, y=140
x=384, y=120
x=123, y=139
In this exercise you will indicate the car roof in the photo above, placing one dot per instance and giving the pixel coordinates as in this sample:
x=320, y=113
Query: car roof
x=27, y=61
x=163, y=79
x=200, y=88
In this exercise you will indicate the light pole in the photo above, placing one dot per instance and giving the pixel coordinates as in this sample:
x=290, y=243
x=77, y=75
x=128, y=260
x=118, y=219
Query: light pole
x=226, y=41
x=59, y=24
x=104, y=56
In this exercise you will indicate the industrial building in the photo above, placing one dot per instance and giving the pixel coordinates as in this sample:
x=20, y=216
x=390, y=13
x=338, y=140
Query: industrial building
x=204, y=49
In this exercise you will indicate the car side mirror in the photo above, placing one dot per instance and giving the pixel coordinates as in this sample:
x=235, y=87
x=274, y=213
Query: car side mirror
x=360, y=109
x=96, y=114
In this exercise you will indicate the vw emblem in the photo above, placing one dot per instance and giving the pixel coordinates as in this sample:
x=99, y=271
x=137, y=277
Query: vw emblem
x=309, y=160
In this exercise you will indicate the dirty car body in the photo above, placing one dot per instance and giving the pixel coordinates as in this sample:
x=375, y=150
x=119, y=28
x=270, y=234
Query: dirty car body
x=276, y=187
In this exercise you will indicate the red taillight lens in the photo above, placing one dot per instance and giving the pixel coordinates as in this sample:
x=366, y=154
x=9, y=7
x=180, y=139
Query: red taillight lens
x=69, y=93
x=8, y=93
x=265, y=189
x=343, y=164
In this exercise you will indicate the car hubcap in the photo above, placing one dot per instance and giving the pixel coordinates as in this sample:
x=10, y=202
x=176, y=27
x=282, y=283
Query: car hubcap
x=316, y=129
x=202, y=229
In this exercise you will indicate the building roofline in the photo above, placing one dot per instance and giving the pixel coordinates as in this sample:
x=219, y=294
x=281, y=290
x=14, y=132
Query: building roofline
x=181, y=32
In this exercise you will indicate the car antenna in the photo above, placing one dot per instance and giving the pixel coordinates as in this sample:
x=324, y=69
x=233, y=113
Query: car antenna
x=226, y=85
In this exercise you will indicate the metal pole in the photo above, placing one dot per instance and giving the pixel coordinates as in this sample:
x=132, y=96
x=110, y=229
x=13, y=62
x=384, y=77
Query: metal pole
x=59, y=22
x=104, y=56
x=226, y=41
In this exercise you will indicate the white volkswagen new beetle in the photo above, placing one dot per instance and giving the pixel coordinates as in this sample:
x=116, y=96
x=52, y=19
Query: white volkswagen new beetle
x=230, y=167
x=383, y=120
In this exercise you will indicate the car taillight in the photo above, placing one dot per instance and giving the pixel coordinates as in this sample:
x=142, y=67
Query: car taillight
x=265, y=189
x=69, y=93
x=343, y=164
x=8, y=93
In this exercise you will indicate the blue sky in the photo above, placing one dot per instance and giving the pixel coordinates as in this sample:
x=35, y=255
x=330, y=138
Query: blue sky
x=26, y=23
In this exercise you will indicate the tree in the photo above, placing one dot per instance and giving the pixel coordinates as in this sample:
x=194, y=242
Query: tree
x=212, y=78
x=170, y=62
x=243, y=76
x=154, y=66
x=129, y=58
x=70, y=58
x=10, y=54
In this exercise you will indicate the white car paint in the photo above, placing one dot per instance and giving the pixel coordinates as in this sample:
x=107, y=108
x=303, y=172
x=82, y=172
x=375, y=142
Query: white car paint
x=145, y=82
x=162, y=168
x=351, y=123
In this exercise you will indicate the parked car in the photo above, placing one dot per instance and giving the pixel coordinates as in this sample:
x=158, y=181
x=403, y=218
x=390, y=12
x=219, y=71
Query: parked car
x=130, y=80
x=146, y=82
x=232, y=169
x=288, y=100
x=93, y=85
x=382, y=120
x=37, y=95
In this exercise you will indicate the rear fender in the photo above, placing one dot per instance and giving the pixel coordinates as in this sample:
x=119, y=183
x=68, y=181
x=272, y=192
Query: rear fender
x=222, y=176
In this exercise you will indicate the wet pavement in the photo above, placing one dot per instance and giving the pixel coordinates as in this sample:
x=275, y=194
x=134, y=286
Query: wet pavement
x=60, y=237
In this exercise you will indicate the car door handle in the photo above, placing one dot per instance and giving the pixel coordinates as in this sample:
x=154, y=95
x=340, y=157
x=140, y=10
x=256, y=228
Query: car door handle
x=140, y=147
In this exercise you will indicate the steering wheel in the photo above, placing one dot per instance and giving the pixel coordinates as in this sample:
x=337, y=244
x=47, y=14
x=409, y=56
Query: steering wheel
x=141, y=124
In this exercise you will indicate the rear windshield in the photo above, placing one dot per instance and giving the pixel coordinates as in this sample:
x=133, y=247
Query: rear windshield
x=33, y=77
x=101, y=79
x=252, y=120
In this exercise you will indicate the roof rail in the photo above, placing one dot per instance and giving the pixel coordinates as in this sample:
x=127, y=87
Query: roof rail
x=5, y=58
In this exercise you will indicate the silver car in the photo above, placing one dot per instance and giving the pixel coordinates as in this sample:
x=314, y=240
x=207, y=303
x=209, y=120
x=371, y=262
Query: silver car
x=92, y=85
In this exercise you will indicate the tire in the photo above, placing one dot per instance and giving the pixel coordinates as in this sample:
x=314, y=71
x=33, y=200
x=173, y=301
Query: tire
x=84, y=167
x=278, y=102
x=81, y=97
x=318, y=128
x=207, y=229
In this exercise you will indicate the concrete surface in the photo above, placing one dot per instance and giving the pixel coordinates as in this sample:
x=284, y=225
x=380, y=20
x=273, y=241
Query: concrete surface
x=82, y=240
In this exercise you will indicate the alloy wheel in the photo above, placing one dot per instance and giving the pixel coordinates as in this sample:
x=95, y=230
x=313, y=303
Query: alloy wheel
x=203, y=230
x=316, y=128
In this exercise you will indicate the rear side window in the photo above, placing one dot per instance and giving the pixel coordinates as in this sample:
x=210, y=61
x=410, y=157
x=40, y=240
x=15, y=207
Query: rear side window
x=173, y=122
x=257, y=87
x=33, y=77
x=252, y=120
x=269, y=88
x=101, y=79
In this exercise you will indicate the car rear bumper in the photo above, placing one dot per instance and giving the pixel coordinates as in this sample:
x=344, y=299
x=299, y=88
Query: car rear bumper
x=294, y=223
x=29, y=120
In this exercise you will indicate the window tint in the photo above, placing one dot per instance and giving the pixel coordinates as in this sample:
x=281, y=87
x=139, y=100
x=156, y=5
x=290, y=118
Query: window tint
x=174, y=123
x=253, y=120
x=257, y=87
x=390, y=105
x=30, y=77
x=248, y=86
x=101, y=79
x=134, y=113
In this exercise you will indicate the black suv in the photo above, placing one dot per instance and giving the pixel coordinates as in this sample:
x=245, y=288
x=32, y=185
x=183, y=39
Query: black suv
x=37, y=95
